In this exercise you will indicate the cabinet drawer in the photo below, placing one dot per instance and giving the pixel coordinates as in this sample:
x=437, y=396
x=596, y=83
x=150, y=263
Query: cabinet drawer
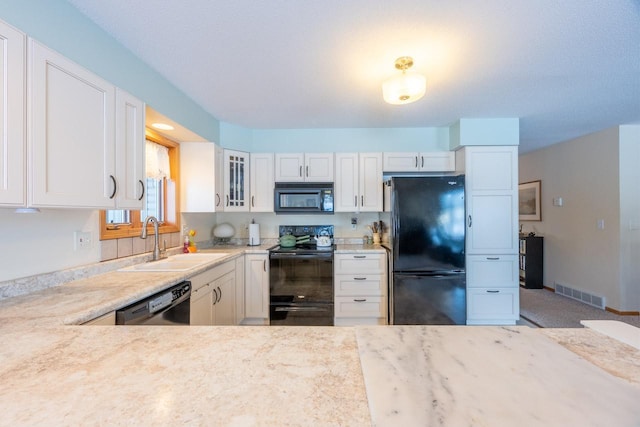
x=499, y=271
x=492, y=305
x=360, y=306
x=360, y=284
x=356, y=263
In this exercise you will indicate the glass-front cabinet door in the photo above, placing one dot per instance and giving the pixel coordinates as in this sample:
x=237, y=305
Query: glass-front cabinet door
x=236, y=179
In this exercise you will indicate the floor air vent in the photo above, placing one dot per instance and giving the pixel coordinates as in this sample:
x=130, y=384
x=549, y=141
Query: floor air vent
x=585, y=297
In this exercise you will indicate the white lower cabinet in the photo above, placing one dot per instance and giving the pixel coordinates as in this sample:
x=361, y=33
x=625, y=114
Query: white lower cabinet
x=256, y=289
x=240, y=273
x=201, y=306
x=224, y=301
x=360, y=286
x=492, y=306
x=492, y=270
x=213, y=296
x=492, y=289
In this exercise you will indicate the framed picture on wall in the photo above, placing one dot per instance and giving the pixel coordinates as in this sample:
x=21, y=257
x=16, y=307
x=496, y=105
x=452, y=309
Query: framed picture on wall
x=529, y=201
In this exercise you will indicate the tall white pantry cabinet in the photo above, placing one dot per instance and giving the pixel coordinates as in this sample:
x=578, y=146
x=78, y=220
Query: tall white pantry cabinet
x=491, y=197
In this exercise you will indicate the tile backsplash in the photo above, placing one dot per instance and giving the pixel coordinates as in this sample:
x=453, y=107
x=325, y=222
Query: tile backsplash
x=128, y=246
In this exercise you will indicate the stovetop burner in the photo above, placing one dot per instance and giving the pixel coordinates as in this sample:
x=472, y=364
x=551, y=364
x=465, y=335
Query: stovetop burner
x=306, y=230
x=306, y=245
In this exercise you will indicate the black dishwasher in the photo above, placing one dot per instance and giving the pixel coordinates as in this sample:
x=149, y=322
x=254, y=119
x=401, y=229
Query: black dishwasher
x=169, y=307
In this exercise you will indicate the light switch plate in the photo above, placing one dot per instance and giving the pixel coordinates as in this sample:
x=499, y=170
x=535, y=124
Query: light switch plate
x=82, y=240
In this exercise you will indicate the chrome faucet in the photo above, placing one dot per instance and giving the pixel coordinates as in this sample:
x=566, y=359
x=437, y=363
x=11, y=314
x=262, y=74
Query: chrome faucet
x=157, y=253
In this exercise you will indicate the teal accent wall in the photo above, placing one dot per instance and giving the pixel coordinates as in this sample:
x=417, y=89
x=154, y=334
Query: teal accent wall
x=63, y=28
x=335, y=140
x=487, y=131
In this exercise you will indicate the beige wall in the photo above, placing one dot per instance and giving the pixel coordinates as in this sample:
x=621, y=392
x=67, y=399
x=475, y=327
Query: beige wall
x=585, y=172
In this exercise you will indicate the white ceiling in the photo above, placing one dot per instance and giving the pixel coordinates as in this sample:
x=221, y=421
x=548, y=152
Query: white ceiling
x=565, y=68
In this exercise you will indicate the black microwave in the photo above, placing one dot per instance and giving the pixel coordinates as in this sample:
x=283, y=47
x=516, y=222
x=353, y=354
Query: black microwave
x=303, y=198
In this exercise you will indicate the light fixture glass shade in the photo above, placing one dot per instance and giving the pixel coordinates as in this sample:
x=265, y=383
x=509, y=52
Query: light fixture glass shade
x=404, y=89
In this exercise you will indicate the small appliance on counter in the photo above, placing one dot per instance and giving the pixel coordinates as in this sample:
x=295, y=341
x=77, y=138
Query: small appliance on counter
x=223, y=232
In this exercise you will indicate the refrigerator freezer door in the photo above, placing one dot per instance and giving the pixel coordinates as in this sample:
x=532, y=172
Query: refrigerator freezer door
x=428, y=223
x=438, y=299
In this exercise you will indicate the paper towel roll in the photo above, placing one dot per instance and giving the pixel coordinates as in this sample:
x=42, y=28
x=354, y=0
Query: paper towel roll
x=254, y=234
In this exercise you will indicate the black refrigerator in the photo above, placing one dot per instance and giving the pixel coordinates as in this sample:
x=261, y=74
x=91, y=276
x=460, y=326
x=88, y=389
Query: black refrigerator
x=428, y=285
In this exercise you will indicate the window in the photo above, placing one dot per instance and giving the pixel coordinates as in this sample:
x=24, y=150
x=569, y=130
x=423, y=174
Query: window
x=160, y=193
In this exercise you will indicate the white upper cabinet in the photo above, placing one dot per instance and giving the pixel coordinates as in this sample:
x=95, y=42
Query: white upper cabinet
x=72, y=138
x=201, y=177
x=358, y=183
x=262, y=179
x=12, y=116
x=130, y=144
x=435, y=161
x=299, y=167
x=236, y=181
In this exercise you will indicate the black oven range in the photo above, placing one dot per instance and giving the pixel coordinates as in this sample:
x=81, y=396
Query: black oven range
x=301, y=277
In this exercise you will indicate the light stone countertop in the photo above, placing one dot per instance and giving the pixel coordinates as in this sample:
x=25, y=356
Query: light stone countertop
x=56, y=373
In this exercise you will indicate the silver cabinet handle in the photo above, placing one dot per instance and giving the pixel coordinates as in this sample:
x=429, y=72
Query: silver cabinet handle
x=416, y=162
x=300, y=173
x=359, y=256
x=470, y=222
x=227, y=200
x=359, y=278
x=493, y=258
x=492, y=291
x=253, y=201
x=359, y=299
x=422, y=157
x=215, y=299
x=264, y=265
x=362, y=201
x=307, y=171
x=217, y=199
x=219, y=295
x=355, y=201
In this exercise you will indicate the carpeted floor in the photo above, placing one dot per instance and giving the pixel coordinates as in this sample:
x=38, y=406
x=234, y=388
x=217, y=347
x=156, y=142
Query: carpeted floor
x=550, y=310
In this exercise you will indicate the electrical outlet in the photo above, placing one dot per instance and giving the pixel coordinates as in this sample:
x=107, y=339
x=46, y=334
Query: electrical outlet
x=354, y=223
x=82, y=240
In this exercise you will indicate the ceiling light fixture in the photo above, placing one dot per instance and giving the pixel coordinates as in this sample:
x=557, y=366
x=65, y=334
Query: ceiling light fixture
x=405, y=88
x=162, y=126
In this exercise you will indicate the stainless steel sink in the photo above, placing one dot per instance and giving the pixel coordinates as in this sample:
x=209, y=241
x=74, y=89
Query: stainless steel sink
x=181, y=262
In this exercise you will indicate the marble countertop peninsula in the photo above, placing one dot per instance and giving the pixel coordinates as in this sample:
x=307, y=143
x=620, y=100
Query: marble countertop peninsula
x=54, y=372
x=487, y=376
